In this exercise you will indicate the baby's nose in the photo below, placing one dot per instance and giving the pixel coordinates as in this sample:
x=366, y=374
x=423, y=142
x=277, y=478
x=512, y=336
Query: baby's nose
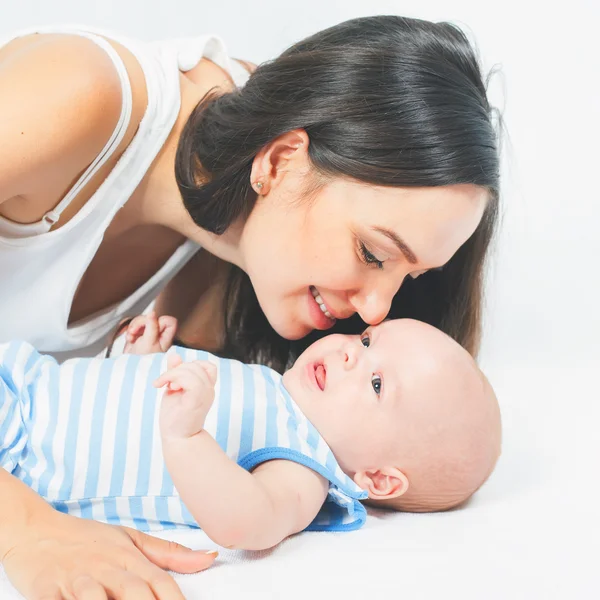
x=349, y=357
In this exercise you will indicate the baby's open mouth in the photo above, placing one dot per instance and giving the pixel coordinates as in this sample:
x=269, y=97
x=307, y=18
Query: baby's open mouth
x=320, y=375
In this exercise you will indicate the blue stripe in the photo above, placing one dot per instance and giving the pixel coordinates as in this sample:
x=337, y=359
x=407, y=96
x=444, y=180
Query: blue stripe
x=36, y=360
x=137, y=513
x=28, y=406
x=110, y=510
x=167, y=487
x=161, y=505
x=85, y=506
x=6, y=460
x=247, y=433
x=9, y=396
x=8, y=399
x=50, y=434
x=224, y=407
x=188, y=519
x=122, y=426
x=97, y=429
x=60, y=506
x=312, y=439
x=149, y=410
x=272, y=439
x=331, y=463
x=10, y=356
x=292, y=423
x=70, y=445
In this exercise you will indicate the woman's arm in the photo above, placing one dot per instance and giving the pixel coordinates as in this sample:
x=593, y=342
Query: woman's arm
x=45, y=552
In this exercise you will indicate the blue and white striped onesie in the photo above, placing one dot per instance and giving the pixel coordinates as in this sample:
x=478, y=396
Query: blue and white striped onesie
x=84, y=435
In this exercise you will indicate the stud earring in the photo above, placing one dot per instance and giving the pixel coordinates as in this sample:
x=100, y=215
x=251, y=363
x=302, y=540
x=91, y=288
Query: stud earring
x=259, y=185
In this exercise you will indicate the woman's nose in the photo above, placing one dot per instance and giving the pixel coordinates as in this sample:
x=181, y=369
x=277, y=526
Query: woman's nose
x=374, y=305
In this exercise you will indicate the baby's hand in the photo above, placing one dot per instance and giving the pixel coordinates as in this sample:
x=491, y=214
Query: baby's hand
x=147, y=334
x=189, y=395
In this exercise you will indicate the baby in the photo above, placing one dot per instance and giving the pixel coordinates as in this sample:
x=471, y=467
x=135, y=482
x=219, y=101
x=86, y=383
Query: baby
x=399, y=416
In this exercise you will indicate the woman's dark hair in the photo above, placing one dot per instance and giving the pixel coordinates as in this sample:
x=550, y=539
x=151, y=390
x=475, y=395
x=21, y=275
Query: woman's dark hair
x=385, y=100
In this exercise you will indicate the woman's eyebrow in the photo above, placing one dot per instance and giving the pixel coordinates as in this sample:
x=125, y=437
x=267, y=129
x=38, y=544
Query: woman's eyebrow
x=400, y=243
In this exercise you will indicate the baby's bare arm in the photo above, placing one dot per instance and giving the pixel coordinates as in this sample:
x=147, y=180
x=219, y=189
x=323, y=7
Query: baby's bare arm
x=238, y=509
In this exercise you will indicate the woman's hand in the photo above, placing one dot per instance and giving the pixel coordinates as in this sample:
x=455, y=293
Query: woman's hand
x=67, y=558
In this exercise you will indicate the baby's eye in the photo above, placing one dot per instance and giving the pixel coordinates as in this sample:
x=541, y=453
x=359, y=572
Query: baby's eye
x=376, y=383
x=365, y=340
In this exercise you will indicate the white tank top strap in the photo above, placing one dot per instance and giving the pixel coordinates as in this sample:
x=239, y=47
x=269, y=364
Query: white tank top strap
x=12, y=229
x=118, y=134
x=37, y=263
x=190, y=51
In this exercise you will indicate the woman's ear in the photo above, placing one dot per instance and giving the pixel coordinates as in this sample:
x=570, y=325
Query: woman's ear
x=382, y=484
x=273, y=159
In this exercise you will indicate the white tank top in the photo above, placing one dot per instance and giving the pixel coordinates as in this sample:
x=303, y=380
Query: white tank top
x=41, y=269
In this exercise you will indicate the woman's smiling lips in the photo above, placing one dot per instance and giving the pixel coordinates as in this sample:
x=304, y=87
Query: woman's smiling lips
x=320, y=320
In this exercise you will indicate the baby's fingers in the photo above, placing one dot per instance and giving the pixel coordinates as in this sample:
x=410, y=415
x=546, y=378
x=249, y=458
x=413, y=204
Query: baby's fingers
x=173, y=361
x=209, y=368
x=167, y=326
x=181, y=378
x=136, y=328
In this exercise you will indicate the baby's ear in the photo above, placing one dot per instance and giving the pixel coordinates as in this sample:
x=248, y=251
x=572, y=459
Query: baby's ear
x=382, y=484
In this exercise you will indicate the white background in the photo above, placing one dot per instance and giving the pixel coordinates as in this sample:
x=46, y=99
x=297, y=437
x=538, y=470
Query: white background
x=533, y=531
x=544, y=296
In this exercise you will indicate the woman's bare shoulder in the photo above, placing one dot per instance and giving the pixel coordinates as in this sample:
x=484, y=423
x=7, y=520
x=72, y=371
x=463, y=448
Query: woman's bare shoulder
x=64, y=98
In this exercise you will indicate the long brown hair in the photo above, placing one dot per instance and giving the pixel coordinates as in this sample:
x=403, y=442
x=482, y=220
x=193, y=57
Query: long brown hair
x=385, y=100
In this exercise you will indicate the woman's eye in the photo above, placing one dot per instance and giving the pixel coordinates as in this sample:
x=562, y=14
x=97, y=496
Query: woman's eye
x=376, y=383
x=368, y=258
x=365, y=341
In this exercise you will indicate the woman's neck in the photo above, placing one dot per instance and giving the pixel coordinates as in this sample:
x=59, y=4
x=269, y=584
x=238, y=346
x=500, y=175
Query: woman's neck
x=160, y=202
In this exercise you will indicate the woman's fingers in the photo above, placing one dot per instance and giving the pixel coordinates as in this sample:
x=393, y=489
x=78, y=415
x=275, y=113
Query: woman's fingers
x=58, y=562
x=127, y=585
x=86, y=588
x=46, y=594
x=162, y=584
x=170, y=555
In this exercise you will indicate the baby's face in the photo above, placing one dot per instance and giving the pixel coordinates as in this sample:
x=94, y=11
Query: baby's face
x=351, y=388
x=402, y=401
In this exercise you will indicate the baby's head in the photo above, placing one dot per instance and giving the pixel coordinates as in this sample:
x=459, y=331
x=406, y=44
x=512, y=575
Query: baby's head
x=405, y=410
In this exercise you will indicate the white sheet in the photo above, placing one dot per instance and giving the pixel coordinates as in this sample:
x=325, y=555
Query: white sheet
x=533, y=532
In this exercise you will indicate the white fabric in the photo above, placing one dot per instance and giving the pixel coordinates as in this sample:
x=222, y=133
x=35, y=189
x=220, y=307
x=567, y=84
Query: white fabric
x=36, y=263
x=531, y=533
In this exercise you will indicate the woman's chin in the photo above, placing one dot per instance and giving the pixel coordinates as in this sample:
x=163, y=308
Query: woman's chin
x=290, y=330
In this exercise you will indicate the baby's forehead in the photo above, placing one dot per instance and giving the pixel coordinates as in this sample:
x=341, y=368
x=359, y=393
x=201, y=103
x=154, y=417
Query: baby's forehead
x=414, y=344
x=398, y=329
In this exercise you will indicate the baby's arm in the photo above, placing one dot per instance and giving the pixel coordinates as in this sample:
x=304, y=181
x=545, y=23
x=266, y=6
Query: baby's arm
x=235, y=508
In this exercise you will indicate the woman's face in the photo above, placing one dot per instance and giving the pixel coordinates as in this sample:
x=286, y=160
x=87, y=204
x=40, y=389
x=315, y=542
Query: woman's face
x=349, y=248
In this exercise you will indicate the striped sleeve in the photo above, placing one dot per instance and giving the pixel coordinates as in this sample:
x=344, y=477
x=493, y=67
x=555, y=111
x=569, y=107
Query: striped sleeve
x=16, y=359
